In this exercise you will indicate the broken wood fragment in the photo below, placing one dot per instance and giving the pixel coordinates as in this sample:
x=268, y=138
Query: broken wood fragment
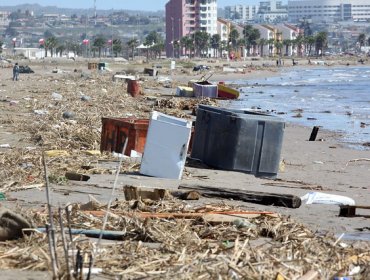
x=135, y=193
x=77, y=177
x=284, y=200
x=192, y=195
x=350, y=210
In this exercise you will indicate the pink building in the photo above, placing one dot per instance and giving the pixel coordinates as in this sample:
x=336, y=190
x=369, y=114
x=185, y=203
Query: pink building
x=184, y=17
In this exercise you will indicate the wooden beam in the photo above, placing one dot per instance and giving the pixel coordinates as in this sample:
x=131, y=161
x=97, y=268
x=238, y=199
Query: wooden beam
x=350, y=210
x=284, y=200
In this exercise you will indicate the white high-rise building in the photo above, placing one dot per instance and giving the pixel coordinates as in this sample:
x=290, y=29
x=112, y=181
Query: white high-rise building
x=266, y=11
x=329, y=10
x=4, y=18
x=241, y=12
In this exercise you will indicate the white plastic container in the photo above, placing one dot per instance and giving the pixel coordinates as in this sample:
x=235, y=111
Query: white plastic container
x=166, y=146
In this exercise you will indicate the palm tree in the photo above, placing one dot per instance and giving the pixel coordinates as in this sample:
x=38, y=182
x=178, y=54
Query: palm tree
x=251, y=35
x=157, y=49
x=287, y=43
x=321, y=42
x=241, y=46
x=233, y=37
x=361, y=40
x=50, y=44
x=151, y=40
x=262, y=42
x=186, y=43
x=224, y=46
x=299, y=43
x=99, y=43
x=117, y=47
x=74, y=47
x=271, y=44
x=60, y=49
x=279, y=46
x=177, y=47
x=132, y=44
x=309, y=41
x=215, y=43
x=201, y=41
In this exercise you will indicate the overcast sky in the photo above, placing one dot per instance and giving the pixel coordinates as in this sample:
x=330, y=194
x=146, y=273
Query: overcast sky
x=148, y=5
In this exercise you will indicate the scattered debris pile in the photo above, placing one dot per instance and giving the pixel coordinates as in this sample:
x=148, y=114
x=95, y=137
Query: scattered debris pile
x=67, y=116
x=166, y=248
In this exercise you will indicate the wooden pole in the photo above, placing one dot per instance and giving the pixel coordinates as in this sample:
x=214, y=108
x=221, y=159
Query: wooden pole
x=314, y=132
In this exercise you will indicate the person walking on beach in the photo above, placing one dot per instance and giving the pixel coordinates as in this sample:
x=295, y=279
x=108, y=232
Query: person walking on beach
x=15, y=72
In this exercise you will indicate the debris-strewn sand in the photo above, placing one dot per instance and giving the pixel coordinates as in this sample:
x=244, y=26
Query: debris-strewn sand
x=31, y=119
x=322, y=165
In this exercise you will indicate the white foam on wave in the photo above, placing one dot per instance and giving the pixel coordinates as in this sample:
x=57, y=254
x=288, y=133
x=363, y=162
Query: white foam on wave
x=344, y=75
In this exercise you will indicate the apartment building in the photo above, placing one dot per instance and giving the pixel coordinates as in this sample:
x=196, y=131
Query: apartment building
x=265, y=12
x=185, y=17
x=289, y=32
x=267, y=32
x=242, y=13
x=4, y=18
x=223, y=29
x=329, y=10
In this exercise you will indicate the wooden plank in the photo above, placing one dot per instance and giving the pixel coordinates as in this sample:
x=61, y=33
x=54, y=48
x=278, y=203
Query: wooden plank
x=284, y=200
x=350, y=210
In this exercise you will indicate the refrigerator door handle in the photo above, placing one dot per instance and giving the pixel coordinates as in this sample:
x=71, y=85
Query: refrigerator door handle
x=182, y=151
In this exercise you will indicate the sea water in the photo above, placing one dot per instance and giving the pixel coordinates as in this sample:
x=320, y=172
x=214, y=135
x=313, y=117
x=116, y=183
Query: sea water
x=334, y=98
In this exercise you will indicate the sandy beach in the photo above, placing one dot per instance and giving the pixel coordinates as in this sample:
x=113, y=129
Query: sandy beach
x=324, y=165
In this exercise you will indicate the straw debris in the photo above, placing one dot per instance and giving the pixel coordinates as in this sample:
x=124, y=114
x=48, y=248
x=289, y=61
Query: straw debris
x=192, y=248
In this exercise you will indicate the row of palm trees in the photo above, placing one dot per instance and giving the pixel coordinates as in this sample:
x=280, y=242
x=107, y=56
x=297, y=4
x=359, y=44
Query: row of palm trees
x=100, y=44
x=197, y=44
x=200, y=42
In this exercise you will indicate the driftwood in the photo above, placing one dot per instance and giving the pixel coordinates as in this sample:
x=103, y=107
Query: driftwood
x=357, y=159
x=11, y=225
x=284, y=200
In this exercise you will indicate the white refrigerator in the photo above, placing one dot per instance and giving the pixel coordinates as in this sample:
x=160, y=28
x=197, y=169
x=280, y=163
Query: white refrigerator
x=166, y=146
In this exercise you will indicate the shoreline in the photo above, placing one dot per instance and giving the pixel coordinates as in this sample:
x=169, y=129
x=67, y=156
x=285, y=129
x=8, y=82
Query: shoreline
x=349, y=136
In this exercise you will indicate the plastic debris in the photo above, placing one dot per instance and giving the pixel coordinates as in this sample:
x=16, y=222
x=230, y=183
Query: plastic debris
x=324, y=198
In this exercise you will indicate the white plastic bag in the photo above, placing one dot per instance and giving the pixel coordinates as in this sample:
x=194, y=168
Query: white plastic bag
x=324, y=198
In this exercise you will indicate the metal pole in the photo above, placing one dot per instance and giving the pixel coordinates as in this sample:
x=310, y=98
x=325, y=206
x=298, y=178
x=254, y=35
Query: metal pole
x=112, y=41
x=179, y=38
x=50, y=226
x=173, y=39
